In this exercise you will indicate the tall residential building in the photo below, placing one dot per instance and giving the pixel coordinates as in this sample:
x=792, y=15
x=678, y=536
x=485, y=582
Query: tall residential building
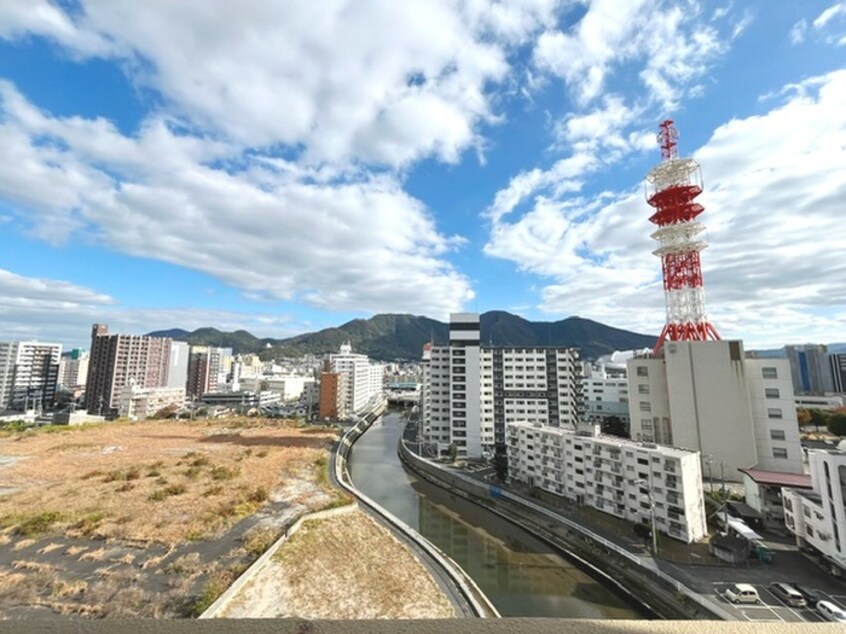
x=332, y=401
x=29, y=373
x=118, y=359
x=625, y=478
x=363, y=377
x=818, y=518
x=177, y=369
x=73, y=368
x=810, y=368
x=471, y=392
x=706, y=396
x=605, y=396
x=837, y=365
x=205, y=367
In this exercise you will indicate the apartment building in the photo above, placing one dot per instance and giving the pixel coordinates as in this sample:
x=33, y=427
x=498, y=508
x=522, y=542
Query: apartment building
x=470, y=392
x=73, y=368
x=818, y=517
x=624, y=478
x=332, y=398
x=364, y=379
x=206, y=370
x=116, y=360
x=177, y=371
x=140, y=403
x=29, y=374
x=605, y=397
x=706, y=396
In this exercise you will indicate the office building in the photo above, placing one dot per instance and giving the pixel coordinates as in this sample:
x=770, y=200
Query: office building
x=818, y=517
x=810, y=368
x=706, y=396
x=116, y=360
x=624, y=478
x=73, y=368
x=29, y=375
x=470, y=392
x=837, y=366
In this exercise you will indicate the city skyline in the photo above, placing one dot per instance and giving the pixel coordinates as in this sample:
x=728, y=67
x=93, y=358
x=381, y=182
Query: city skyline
x=285, y=171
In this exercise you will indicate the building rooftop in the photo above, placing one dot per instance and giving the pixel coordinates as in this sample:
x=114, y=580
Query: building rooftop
x=779, y=478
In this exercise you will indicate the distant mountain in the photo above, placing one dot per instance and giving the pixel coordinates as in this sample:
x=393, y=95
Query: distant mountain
x=391, y=336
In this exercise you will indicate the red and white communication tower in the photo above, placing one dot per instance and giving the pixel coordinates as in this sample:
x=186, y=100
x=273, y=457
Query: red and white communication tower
x=671, y=188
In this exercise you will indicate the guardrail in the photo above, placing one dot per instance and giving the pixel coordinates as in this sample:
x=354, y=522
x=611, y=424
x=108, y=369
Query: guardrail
x=646, y=564
x=476, y=599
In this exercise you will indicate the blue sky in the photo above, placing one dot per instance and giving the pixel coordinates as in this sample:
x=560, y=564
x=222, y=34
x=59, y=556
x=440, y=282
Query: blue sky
x=283, y=167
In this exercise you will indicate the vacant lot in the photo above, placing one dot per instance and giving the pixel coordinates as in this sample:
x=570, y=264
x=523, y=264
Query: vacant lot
x=346, y=567
x=151, y=519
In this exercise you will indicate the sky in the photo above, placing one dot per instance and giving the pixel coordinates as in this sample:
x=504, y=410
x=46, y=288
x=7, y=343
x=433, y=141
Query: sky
x=288, y=166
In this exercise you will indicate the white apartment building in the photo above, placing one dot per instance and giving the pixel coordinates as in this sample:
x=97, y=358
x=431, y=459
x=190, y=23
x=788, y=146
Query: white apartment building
x=470, y=393
x=29, y=374
x=706, y=396
x=139, y=403
x=361, y=385
x=73, y=369
x=616, y=476
x=818, y=518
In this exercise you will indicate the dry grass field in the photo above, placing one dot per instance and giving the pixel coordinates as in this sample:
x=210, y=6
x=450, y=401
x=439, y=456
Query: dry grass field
x=372, y=576
x=149, y=519
x=163, y=482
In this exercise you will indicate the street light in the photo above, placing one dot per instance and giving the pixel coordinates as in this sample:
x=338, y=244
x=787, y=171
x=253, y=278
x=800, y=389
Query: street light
x=645, y=484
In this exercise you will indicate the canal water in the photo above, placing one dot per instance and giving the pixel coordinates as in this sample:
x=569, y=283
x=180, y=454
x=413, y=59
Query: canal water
x=520, y=574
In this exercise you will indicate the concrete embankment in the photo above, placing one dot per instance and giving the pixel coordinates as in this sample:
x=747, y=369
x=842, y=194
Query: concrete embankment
x=633, y=575
x=472, y=601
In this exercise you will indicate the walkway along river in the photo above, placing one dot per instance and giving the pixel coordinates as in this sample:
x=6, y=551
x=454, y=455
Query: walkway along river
x=520, y=574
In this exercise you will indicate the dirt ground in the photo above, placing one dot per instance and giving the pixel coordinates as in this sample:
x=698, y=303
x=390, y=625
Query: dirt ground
x=148, y=519
x=346, y=567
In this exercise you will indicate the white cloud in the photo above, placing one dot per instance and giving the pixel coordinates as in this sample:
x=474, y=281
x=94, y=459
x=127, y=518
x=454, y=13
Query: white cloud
x=824, y=26
x=370, y=83
x=672, y=43
x=773, y=212
x=361, y=245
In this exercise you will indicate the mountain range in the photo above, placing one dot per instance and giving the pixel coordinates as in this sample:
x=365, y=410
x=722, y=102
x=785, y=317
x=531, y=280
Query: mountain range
x=391, y=336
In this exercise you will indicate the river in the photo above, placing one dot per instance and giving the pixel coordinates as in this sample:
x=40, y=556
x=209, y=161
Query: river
x=521, y=575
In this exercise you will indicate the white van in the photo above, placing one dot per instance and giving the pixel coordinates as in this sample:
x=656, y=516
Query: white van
x=742, y=593
x=831, y=612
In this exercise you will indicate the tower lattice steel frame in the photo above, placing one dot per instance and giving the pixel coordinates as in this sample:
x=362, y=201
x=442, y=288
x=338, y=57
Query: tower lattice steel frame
x=671, y=188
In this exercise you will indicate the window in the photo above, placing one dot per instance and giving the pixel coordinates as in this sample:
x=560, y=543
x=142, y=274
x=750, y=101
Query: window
x=646, y=406
x=777, y=434
x=779, y=452
x=769, y=373
x=771, y=392
x=642, y=370
x=774, y=412
x=643, y=388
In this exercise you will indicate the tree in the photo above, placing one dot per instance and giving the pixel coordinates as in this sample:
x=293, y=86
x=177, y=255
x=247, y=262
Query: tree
x=837, y=423
x=614, y=426
x=819, y=418
x=803, y=416
x=452, y=451
x=168, y=411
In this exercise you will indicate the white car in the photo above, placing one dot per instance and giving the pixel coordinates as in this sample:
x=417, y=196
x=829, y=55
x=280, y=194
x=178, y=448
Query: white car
x=831, y=612
x=742, y=593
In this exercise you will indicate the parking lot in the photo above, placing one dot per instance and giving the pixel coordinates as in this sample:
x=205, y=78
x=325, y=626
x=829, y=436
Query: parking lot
x=772, y=608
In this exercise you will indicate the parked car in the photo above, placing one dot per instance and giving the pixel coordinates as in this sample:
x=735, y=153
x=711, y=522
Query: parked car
x=742, y=593
x=788, y=594
x=831, y=612
x=811, y=596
